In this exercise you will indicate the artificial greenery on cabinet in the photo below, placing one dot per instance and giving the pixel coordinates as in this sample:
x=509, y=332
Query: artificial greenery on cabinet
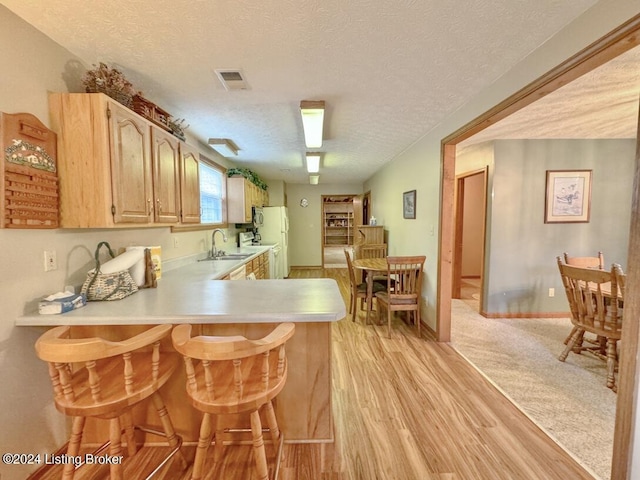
x=249, y=175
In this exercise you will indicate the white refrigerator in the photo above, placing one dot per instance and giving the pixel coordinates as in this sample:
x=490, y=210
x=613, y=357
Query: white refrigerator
x=276, y=230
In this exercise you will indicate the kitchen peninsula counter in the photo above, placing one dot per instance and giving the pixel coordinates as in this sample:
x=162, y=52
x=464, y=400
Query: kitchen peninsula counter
x=193, y=294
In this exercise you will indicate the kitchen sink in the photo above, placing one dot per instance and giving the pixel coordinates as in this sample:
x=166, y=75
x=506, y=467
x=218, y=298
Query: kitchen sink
x=229, y=256
x=235, y=256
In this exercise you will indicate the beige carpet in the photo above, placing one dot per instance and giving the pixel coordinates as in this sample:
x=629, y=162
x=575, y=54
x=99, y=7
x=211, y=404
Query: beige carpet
x=569, y=400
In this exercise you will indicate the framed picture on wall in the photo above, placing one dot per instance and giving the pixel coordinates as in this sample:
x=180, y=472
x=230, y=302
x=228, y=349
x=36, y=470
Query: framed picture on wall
x=409, y=204
x=568, y=197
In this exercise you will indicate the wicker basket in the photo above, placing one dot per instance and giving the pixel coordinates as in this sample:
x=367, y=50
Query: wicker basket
x=119, y=96
x=151, y=112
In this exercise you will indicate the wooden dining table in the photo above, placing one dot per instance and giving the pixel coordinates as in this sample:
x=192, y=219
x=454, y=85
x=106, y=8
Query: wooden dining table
x=370, y=266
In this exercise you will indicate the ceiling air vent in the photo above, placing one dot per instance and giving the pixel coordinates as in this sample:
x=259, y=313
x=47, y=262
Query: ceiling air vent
x=232, y=79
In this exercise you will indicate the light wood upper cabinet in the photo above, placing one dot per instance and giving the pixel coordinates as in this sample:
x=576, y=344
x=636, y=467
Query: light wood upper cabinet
x=189, y=185
x=241, y=196
x=131, y=181
x=115, y=167
x=166, y=176
x=239, y=200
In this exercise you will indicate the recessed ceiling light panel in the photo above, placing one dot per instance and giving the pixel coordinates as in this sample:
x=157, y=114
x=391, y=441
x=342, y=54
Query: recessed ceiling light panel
x=312, y=122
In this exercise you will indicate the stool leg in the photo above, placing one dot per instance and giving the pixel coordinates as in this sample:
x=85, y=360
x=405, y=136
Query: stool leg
x=74, y=446
x=168, y=427
x=203, y=444
x=115, y=449
x=258, y=447
x=273, y=426
x=127, y=424
x=219, y=438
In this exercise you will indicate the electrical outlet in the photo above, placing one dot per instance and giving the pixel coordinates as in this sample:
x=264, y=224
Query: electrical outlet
x=552, y=292
x=50, y=260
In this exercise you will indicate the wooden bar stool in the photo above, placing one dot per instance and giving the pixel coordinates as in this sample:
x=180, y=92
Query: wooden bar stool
x=234, y=375
x=93, y=377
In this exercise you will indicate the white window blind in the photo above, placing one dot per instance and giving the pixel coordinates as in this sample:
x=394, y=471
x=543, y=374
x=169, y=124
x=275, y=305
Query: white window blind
x=211, y=193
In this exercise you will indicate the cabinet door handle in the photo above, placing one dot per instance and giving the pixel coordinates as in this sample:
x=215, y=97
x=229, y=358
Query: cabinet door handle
x=150, y=205
x=159, y=205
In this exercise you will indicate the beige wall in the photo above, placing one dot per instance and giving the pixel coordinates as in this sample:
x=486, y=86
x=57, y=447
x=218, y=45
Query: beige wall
x=276, y=192
x=306, y=223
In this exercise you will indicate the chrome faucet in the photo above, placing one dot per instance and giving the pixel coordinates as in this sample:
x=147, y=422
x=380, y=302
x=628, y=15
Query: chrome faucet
x=214, y=250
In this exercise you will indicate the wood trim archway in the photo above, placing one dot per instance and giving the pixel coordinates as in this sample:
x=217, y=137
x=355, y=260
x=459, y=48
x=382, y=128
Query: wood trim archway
x=616, y=42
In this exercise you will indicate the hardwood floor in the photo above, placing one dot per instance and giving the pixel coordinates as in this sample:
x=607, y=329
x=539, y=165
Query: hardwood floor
x=405, y=409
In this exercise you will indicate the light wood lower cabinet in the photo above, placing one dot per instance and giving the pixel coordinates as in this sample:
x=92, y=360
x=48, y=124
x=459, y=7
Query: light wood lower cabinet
x=259, y=266
x=366, y=234
x=115, y=167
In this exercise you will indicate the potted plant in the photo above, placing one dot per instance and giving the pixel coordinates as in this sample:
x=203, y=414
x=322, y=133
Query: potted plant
x=249, y=175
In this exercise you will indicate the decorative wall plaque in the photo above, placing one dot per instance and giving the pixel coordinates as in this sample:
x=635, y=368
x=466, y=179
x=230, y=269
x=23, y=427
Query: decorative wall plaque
x=29, y=175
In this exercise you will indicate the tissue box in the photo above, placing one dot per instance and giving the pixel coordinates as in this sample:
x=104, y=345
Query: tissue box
x=55, y=304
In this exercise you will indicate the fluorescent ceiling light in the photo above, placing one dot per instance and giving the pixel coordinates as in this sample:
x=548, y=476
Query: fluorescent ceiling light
x=313, y=179
x=312, y=122
x=313, y=162
x=224, y=146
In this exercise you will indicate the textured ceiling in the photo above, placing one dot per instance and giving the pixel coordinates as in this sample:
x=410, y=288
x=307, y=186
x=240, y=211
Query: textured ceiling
x=600, y=104
x=388, y=71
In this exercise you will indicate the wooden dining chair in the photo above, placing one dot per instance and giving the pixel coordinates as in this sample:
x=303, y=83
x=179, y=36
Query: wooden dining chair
x=621, y=280
x=358, y=290
x=233, y=375
x=595, y=305
x=93, y=377
x=405, y=294
x=374, y=250
x=586, y=262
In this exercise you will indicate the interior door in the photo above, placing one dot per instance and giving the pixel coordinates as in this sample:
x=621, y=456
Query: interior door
x=359, y=214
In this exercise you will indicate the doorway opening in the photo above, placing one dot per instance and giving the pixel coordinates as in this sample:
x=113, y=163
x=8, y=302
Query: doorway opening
x=610, y=46
x=337, y=229
x=470, y=218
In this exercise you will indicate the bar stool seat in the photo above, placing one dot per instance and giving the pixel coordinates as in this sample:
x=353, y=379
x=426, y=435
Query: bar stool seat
x=93, y=377
x=234, y=375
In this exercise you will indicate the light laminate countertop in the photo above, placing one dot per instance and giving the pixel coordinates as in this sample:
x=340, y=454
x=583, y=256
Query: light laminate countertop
x=193, y=294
